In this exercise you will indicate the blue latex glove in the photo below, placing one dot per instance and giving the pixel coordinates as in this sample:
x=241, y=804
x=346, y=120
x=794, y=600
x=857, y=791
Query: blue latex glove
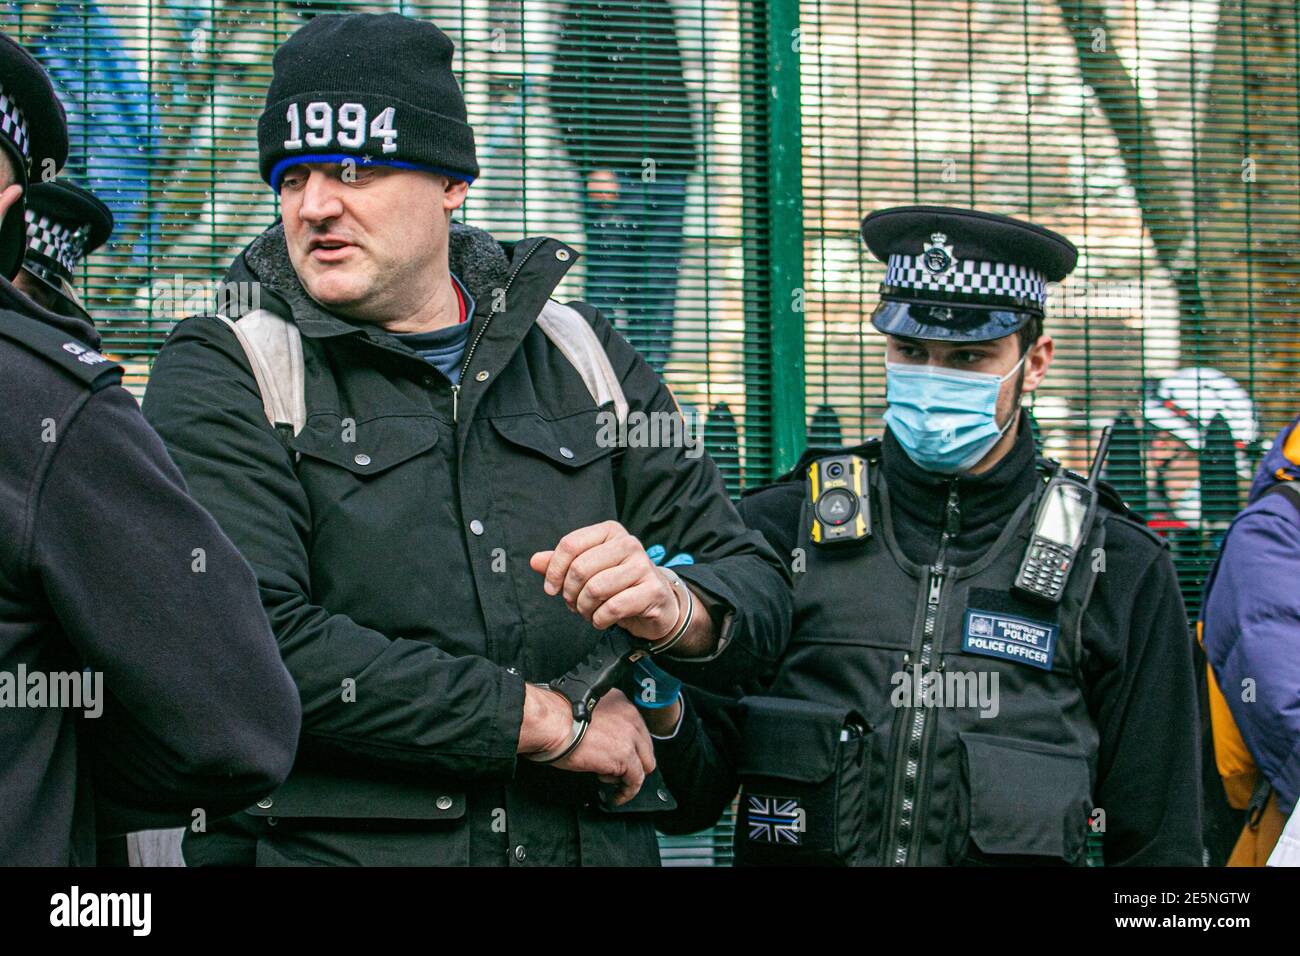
x=656, y=554
x=656, y=688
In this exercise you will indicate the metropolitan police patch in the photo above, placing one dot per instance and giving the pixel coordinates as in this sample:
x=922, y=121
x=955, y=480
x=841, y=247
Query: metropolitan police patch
x=1010, y=637
x=774, y=819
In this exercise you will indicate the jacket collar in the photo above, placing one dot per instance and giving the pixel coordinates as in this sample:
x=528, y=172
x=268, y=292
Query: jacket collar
x=78, y=327
x=485, y=267
x=985, y=500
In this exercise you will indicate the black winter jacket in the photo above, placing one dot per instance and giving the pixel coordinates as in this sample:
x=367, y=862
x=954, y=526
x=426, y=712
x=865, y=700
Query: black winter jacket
x=391, y=540
x=106, y=563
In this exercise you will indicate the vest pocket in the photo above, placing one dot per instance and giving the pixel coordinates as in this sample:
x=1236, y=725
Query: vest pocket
x=803, y=771
x=1025, y=803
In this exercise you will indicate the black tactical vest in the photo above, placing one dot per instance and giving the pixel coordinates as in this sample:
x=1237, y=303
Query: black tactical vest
x=991, y=756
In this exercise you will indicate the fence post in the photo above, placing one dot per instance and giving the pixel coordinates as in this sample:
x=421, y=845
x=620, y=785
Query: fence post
x=785, y=279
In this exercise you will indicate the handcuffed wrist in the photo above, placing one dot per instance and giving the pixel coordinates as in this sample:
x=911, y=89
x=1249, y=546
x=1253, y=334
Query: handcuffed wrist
x=685, y=596
x=579, y=730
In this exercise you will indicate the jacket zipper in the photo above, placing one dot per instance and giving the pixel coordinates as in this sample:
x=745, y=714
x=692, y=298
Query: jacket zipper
x=469, y=354
x=914, y=753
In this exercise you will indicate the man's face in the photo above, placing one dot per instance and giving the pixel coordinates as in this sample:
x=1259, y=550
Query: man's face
x=996, y=357
x=364, y=239
x=35, y=290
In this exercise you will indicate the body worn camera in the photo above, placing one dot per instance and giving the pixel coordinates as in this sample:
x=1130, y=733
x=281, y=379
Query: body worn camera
x=841, y=507
x=1061, y=525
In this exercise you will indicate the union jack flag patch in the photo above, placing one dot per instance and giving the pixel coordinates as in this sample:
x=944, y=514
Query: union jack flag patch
x=774, y=820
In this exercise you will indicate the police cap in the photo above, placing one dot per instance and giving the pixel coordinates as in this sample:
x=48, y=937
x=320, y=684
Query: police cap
x=33, y=132
x=64, y=223
x=960, y=275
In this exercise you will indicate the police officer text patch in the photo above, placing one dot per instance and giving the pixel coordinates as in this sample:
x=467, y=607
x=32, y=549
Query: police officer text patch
x=1010, y=637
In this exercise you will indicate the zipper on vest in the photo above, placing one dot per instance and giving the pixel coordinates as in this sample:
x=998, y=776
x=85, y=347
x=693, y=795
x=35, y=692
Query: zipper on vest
x=914, y=749
x=469, y=353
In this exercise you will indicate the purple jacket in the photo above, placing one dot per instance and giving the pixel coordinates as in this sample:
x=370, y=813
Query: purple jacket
x=1252, y=619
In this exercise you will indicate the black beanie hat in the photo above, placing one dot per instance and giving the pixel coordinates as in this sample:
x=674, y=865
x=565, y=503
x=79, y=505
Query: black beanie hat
x=375, y=87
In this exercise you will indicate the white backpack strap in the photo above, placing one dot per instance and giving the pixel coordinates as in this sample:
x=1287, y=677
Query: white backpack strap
x=573, y=335
x=274, y=349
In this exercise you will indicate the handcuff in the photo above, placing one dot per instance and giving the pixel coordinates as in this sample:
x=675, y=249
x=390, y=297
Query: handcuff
x=605, y=668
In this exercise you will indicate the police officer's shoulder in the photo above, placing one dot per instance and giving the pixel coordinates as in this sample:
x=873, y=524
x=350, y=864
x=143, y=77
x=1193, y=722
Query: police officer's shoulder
x=870, y=450
x=60, y=350
x=784, y=495
x=1114, y=510
x=1120, y=516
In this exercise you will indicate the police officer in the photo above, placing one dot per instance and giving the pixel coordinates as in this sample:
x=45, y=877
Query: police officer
x=927, y=711
x=122, y=605
x=65, y=223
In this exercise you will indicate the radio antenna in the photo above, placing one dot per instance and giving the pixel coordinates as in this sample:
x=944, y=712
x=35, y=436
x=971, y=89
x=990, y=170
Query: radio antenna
x=1103, y=447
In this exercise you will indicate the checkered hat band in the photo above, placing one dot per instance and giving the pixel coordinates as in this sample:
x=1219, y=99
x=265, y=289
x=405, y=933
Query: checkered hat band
x=968, y=277
x=13, y=124
x=55, y=241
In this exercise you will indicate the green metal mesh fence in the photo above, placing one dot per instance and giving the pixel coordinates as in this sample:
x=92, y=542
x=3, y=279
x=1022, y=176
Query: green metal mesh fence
x=713, y=159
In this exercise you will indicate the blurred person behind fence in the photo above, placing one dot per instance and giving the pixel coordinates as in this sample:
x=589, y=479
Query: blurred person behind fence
x=618, y=91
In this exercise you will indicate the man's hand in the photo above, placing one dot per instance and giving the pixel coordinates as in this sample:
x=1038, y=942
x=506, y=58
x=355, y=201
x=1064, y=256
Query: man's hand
x=616, y=747
x=604, y=574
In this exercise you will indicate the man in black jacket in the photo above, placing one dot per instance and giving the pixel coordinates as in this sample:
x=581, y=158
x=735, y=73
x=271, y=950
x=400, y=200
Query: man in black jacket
x=618, y=92
x=934, y=705
x=139, y=682
x=455, y=523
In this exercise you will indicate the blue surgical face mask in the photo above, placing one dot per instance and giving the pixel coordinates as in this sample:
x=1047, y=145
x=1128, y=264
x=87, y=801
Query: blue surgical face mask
x=945, y=420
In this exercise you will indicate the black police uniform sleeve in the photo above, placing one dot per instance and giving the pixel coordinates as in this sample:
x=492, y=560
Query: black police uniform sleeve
x=700, y=761
x=1141, y=694
x=199, y=710
x=670, y=498
x=421, y=709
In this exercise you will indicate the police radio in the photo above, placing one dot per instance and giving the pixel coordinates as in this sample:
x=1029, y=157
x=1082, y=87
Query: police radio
x=841, y=507
x=1061, y=525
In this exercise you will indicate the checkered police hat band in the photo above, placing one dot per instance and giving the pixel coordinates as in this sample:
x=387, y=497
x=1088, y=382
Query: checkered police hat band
x=968, y=277
x=13, y=124
x=55, y=242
